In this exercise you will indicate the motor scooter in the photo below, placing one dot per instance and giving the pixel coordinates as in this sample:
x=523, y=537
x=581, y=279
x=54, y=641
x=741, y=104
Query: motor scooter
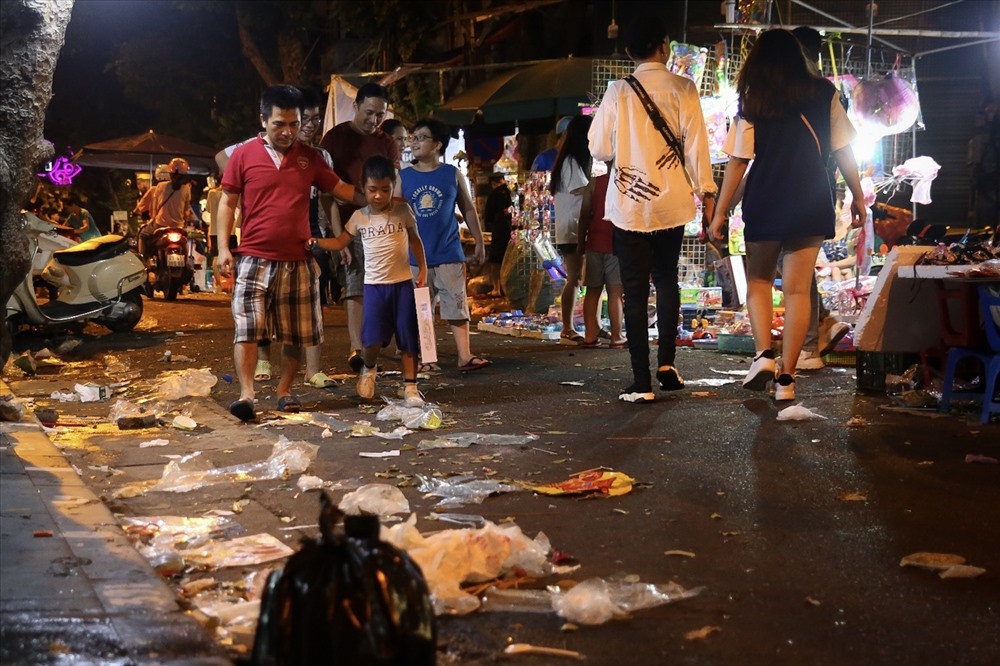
x=170, y=265
x=99, y=280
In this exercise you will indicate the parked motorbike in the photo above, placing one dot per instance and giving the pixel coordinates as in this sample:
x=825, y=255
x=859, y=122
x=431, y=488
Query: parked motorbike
x=170, y=264
x=99, y=280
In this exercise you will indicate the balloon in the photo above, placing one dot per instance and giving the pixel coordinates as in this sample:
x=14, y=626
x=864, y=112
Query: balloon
x=884, y=106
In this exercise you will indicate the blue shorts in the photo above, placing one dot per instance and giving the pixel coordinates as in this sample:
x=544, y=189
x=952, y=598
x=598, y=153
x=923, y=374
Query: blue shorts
x=389, y=309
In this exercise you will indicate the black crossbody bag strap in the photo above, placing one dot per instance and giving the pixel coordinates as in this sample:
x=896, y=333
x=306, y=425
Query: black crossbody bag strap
x=654, y=115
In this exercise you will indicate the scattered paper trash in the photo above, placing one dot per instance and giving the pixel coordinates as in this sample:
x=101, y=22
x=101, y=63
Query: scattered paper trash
x=798, y=413
x=395, y=433
x=376, y=499
x=947, y=565
x=154, y=442
x=701, y=634
x=598, y=480
x=65, y=396
x=977, y=458
x=961, y=571
x=526, y=648
x=932, y=561
x=394, y=453
x=92, y=392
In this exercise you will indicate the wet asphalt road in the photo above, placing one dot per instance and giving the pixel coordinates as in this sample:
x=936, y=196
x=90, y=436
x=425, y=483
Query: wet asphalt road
x=793, y=572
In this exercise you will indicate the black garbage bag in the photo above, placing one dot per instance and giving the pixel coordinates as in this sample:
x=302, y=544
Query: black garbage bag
x=346, y=599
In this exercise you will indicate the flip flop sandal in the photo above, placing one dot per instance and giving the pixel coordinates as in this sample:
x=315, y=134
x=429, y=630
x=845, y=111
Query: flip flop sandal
x=429, y=367
x=572, y=336
x=243, y=410
x=476, y=363
x=320, y=380
x=619, y=344
x=591, y=344
x=289, y=404
x=604, y=333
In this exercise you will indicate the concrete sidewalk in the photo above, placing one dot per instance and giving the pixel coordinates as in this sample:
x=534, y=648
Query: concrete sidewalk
x=73, y=589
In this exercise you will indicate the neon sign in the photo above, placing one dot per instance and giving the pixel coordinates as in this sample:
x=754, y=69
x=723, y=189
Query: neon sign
x=61, y=172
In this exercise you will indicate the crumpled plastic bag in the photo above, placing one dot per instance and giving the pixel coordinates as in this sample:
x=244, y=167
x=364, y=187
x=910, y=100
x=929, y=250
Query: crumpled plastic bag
x=798, y=413
x=595, y=600
x=376, y=499
x=123, y=409
x=449, y=558
x=460, y=490
x=193, y=382
x=461, y=440
x=427, y=417
x=192, y=471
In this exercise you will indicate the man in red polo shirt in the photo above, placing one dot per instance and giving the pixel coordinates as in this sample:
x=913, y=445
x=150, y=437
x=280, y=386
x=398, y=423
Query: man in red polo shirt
x=276, y=280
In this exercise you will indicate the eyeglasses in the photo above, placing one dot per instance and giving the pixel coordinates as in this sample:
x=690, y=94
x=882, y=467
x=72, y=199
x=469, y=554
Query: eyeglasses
x=312, y=120
x=420, y=138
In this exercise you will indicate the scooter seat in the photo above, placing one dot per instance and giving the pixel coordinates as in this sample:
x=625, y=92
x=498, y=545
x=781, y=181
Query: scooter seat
x=96, y=249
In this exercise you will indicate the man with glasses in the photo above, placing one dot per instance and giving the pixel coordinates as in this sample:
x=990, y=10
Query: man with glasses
x=350, y=143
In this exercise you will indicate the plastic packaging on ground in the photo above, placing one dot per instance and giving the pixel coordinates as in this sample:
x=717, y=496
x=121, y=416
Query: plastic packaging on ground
x=450, y=558
x=376, y=499
x=427, y=417
x=459, y=490
x=193, y=382
x=593, y=601
x=192, y=471
x=461, y=440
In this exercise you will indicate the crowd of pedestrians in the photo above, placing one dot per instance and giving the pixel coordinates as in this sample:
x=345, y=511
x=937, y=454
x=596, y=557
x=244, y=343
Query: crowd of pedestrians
x=395, y=226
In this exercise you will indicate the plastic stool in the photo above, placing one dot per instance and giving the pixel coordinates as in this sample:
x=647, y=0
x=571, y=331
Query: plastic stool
x=989, y=359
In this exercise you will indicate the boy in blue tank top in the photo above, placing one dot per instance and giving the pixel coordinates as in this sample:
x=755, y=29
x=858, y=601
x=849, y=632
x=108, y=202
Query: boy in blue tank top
x=434, y=189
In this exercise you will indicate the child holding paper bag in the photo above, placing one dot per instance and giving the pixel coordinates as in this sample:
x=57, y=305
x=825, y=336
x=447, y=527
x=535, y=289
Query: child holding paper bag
x=388, y=232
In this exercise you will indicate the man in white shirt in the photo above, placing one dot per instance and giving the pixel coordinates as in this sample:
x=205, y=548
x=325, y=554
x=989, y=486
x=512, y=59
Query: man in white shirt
x=652, y=194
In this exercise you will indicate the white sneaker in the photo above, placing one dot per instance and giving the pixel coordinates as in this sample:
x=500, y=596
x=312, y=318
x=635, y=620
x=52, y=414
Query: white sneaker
x=830, y=332
x=809, y=360
x=366, y=382
x=411, y=396
x=784, y=388
x=761, y=372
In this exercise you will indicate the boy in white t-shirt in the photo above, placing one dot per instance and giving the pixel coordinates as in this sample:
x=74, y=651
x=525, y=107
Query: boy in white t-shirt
x=388, y=231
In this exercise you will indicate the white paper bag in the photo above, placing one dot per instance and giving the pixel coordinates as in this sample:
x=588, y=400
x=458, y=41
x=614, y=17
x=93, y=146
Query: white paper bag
x=425, y=324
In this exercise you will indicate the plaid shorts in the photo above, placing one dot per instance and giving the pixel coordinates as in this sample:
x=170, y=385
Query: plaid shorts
x=277, y=300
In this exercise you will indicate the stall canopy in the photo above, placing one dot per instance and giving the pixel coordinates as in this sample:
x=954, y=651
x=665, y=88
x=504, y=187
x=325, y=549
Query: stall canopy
x=540, y=92
x=143, y=152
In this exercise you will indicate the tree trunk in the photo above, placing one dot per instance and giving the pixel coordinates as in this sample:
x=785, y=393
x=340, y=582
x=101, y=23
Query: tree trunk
x=251, y=51
x=31, y=36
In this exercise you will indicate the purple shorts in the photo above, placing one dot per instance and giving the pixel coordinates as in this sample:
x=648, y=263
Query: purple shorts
x=389, y=309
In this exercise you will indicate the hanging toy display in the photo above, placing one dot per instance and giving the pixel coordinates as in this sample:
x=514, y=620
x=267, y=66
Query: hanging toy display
x=884, y=106
x=551, y=261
